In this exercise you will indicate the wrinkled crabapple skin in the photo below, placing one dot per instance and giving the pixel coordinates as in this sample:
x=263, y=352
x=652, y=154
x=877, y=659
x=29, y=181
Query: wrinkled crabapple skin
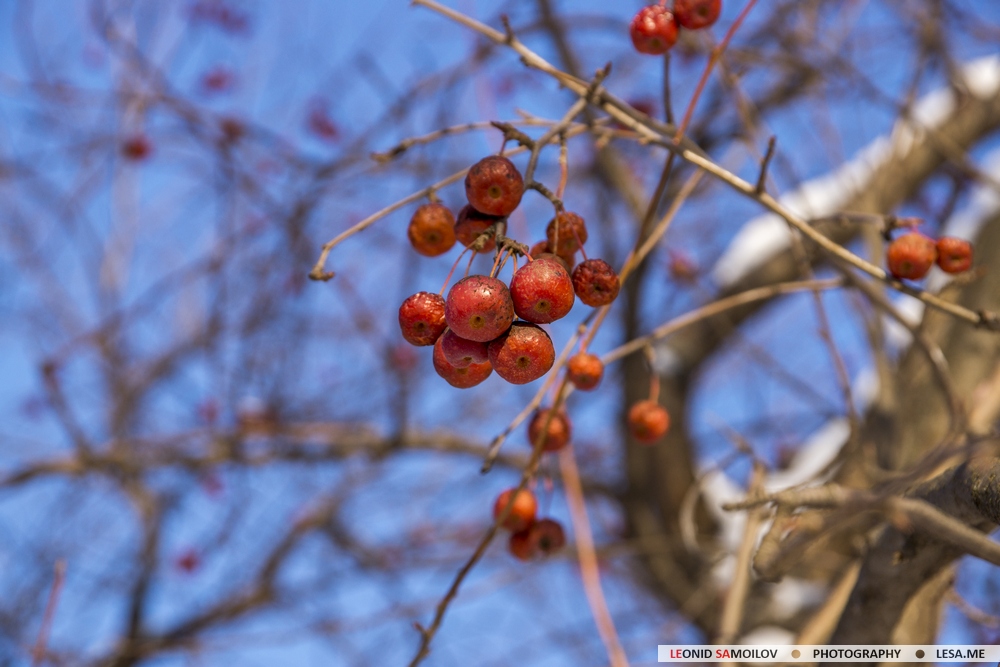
x=954, y=255
x=648, y=421
x=541, y=251
x=494, y=186
x=697, y=14
x=460, y=352
x=911, y=256
x=585, y=370
x=653, y=30
x=558, y=434
x=470, y=224
x=542, y=291
x=571, y=230
x=523, y=353
x=422, y=318
x=479, y=308
x=595, y=282
x=432, y=230
x=522, y=512
x=460, y=378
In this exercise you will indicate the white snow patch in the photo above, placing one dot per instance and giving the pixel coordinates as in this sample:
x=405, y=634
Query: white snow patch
x=820, y=449
x=982, y=76
x=792, y=595
x=724, y=570
x=984, y=202
x=816, y=453
x=757, y=241
x=717, y=489
x=768, y=635
x=865, y=387
x=897, y=336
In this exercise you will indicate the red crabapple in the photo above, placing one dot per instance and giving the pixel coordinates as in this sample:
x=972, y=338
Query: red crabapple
x=188, y=561
x=648, y=421
x=460, y=378
x=542, y=291
x=595, y=282
x=422, y=318
x=432, y=230
x=523, y=353
x=697, y=14
x=653, y=30
x=479, y=308
x=571, y=230
x=521, y=545
x=471, y=223
x=522, y=510
x=547, y=536
x=557, y=434
x=585, y=370
x=911, y=256
x=682, y=266
x=494, y=186
x=541, y=251
x=137, y=147
x=954, y=255
x=460, y=352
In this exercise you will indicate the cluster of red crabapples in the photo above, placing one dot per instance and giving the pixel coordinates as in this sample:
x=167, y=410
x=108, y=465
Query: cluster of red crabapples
x=485, y=325
x=529, y=535
x=654, y=29
x=475, y=332
x=912, y=255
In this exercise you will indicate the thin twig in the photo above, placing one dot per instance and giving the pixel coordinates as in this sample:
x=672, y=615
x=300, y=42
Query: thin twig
x=930, y=348
x=427, y=634
x=716, y=307
x=430, y=137
x=38, y=653
x=318, y=272
x=739, y=587
x=532, y=405
x=588, y=559
x=656, y=133
x=764, y=164
x=709, y=66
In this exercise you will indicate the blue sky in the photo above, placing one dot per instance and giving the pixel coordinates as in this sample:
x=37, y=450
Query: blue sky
x=349, y=62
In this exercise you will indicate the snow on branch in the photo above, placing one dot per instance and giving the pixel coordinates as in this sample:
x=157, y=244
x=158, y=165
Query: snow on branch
x=764, y=237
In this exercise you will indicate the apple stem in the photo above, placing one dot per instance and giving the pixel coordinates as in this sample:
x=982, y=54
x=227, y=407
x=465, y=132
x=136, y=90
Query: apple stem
x=450, y=273
x=496, y=264
x=468, y=267
x=654, y=377
x=509, y=253
x=563, y=167
x=709, y=66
